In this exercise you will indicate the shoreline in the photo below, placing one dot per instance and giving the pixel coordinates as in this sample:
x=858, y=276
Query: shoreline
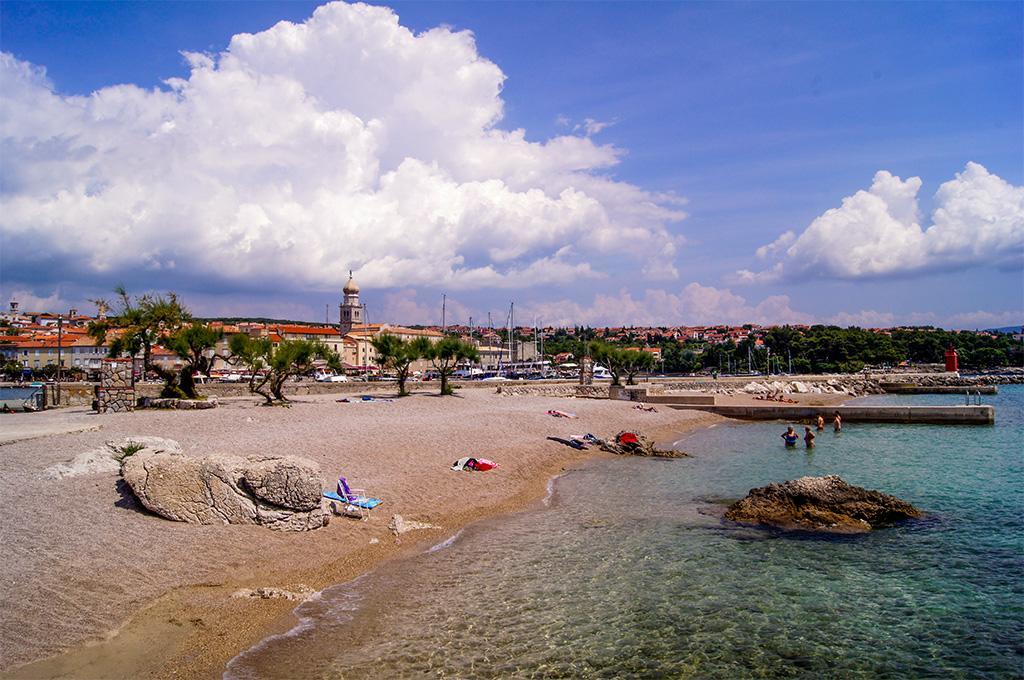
x=194, y=630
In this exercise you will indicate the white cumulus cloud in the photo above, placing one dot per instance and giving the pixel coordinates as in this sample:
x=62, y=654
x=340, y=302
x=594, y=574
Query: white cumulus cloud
x=978, y=220
x=694, y=304
x=298, y=153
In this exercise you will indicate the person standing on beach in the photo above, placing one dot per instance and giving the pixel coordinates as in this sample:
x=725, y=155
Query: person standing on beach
x=837, y=423
x=808, y=437
x=821, y=422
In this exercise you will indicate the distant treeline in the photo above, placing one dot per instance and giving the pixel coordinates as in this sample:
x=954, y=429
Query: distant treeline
x=819, y=349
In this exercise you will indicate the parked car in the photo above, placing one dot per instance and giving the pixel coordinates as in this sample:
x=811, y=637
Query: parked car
x=327, y=375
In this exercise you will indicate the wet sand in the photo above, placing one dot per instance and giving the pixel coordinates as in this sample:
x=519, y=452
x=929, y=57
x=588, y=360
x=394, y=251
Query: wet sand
x=98, y=588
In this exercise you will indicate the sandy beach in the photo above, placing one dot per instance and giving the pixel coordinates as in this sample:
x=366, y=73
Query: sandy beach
x=95, y=587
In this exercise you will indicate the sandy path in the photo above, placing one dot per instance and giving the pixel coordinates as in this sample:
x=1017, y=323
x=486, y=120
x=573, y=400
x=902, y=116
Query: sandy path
x=80, y=559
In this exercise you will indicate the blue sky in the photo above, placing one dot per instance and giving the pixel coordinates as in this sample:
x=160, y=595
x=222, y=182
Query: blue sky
x=760, y=116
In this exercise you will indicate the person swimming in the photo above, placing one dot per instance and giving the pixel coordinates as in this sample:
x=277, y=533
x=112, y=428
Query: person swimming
x=789, y=436
x=821, y=422
x=808, y=438
x=837, y=423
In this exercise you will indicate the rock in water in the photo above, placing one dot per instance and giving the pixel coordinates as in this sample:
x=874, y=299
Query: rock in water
x=820, y=504
x=280, y=492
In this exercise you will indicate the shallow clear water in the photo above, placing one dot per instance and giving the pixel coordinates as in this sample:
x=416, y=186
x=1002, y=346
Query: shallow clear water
x=624, y=574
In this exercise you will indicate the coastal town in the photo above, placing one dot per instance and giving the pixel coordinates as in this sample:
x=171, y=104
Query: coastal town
x=42, y=344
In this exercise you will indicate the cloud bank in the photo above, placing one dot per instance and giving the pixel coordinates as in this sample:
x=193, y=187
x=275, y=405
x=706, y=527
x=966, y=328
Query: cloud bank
x=978, y=220
x=298, y=153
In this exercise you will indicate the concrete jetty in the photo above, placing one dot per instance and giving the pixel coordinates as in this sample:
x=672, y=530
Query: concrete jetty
x=935, y=415
x=912, y=388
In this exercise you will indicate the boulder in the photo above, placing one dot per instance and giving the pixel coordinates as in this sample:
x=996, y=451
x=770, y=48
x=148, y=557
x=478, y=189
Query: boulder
x=107, y=458
x=826, y=504
x=281, y=492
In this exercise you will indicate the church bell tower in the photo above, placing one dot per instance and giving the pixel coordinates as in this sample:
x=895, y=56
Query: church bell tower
x=351, y=312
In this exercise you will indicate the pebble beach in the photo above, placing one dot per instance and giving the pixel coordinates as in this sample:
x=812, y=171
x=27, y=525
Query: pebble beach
x=95, y=586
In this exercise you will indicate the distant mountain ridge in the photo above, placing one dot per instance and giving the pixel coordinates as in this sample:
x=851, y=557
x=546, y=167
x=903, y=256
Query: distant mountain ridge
x=1006, y=329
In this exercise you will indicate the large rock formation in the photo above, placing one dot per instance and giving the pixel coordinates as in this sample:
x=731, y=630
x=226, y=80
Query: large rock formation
x=820, y=504
x=280, y=492
x=107, y=458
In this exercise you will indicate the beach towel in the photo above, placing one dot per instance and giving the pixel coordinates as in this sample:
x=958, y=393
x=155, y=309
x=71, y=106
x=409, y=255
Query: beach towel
x=478, y=464
x=561, y=414
x=627, y=438
x=482, y=464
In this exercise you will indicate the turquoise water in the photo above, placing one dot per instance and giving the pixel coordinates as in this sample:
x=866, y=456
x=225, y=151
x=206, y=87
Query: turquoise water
x=626, y=572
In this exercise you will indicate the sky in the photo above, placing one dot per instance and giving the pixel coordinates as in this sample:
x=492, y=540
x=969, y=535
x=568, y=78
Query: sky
x=596, y=163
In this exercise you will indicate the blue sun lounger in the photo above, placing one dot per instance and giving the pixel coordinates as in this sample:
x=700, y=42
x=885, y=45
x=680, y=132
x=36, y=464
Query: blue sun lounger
x=353, y=501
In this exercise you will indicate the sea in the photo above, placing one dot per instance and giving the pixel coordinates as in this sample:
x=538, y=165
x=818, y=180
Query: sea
x=626, y=570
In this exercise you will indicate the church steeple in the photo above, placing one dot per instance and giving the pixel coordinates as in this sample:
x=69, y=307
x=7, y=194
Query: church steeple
x=350, y=311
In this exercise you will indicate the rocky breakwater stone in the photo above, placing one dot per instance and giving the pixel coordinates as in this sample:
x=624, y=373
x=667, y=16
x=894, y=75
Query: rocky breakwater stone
x=826, y=504
x=280, y=492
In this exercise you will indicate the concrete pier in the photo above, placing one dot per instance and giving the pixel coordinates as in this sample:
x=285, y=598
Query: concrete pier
x=904, y=388
x=935, y=415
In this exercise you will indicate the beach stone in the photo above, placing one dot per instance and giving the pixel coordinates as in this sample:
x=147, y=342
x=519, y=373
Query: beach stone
x=107, y=458
x=826, y=504
x=301, y=594
x=644, y=448
x=399, y=525
x=276, y=492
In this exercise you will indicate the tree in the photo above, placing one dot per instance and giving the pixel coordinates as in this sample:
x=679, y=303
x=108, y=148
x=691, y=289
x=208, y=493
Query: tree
x=621, y=362
x=633, y=362
x=144, y=322
x=192, y=343
x=12, y=369
x=396, y=354
x=270, y=366
x=445, y=355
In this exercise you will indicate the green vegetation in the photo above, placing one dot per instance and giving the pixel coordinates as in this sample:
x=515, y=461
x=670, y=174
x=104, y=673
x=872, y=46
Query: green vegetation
x=271, y=366
x=621, y=362
x=143, y=324
x=397, y=355
x=158, y=321
x=11, y=370
x=817, y=349
x=128, y=450
x=445, y=355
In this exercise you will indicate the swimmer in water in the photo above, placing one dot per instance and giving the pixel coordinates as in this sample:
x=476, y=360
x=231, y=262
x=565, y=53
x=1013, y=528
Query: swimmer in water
x=789, y=436
x=808, y=438
x=821, y=422
x=837, y=423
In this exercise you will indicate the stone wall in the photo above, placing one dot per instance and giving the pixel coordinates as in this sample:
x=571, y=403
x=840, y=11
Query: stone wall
x=116, y=391
x=534, y=389
x=71, y=394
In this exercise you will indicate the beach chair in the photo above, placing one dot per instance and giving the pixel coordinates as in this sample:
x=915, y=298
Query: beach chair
x=353, y=502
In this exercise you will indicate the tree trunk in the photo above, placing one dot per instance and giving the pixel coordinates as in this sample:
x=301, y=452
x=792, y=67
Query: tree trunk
x=277, y=387
x=258, y=389
x=403, y=375
x=188, y=383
